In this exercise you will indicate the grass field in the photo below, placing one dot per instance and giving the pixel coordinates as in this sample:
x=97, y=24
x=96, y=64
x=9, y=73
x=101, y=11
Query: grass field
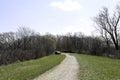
x=29, y=69
x=98, y=68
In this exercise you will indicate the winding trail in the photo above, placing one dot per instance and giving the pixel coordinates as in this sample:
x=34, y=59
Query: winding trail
x=67, y=70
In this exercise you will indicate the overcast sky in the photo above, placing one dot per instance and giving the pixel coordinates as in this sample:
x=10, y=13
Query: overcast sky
x=53, y=16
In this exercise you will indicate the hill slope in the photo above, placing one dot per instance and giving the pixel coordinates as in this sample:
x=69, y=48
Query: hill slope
x=29, y=69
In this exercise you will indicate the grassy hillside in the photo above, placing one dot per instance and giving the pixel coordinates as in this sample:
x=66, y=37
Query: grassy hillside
x=29, y=69
x=98, y=68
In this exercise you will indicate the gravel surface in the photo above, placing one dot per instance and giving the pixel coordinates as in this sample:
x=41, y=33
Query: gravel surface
x=67, y=70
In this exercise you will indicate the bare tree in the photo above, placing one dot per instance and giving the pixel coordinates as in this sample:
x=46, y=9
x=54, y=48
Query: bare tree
x=104, y=35
x=109, y=25
x=24, y=32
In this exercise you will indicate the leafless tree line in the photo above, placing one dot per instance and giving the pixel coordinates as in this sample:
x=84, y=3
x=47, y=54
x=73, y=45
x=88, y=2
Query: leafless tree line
x=79, y=43
x=25, y=44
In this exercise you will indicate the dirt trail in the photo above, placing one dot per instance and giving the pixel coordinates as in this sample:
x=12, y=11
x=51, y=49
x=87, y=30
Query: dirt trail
x=67, y=70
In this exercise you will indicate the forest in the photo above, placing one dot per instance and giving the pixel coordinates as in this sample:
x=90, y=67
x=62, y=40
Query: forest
x=26, y=44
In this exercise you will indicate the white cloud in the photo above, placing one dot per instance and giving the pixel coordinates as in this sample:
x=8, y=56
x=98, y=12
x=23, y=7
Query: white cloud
x=67, y=5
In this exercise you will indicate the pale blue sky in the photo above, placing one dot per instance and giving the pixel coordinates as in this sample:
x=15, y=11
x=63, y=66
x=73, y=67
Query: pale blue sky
x=53, y=16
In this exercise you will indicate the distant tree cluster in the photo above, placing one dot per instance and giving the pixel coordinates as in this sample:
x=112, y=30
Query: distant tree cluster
x=79, y=43
x=25, y=44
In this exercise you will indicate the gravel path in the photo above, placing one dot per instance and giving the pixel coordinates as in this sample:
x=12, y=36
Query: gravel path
x=67, y=70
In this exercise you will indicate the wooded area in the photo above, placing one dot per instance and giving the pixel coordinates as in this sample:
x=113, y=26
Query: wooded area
x=23, y=45
x=26, y=44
